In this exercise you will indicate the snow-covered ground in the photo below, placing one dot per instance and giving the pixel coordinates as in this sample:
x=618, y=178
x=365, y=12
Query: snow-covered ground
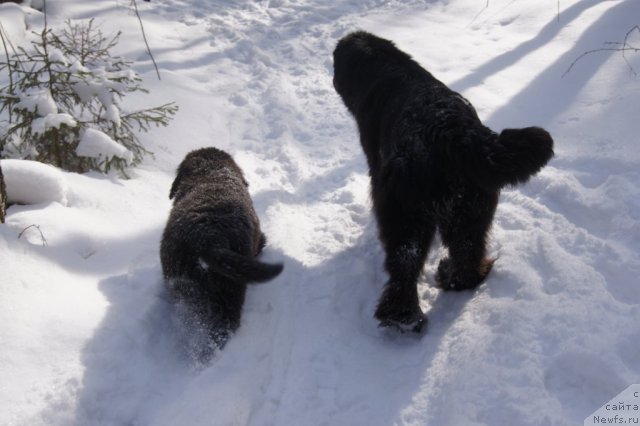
x=87, y=336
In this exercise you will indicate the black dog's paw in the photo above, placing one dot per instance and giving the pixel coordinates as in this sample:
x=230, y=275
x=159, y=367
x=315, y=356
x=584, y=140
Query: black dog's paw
x=443, y=274
x=449, y=280
x=400, y=318
x=416, y=325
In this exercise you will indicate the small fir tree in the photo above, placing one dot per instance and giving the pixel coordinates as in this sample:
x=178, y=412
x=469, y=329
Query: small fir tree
x=63, y=102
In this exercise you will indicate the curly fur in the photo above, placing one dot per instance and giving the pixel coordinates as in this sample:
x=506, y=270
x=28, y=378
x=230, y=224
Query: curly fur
x=433, y=166
x=3, y=197
x=210, y=242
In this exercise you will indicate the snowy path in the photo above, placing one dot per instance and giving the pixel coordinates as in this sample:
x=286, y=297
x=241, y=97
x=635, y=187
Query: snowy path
x=90, y=339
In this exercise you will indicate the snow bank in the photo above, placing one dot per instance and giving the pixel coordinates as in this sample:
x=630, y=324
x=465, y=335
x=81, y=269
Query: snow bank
x=14, y=24
x=32, y=182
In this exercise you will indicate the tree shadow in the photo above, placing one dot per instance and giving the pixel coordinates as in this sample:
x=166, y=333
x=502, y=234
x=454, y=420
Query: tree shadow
x=550, y=94
x=507, y=59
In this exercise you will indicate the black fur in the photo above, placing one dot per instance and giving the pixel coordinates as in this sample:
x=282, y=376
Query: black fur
x=433, y=165
x=210, y=242
x=3, y=197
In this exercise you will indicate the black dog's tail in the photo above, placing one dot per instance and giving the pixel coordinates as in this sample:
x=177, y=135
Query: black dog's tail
x=509, y=158
x=237, y=267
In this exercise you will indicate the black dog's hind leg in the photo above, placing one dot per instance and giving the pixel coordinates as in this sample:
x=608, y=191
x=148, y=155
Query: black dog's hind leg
x=262, y=242
x=406, y=245
x=464, y=228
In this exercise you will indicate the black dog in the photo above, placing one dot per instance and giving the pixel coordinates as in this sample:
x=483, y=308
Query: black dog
x=210, y=242
x=3, y=197
x=433, y=165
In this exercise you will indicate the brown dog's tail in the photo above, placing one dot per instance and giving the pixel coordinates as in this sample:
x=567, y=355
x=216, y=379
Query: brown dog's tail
x=509, y=158
x=236, y=267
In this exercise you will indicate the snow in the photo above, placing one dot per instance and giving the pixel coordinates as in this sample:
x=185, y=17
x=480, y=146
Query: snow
x=112, y=113
x=13, y=22
x=97, y=144
x=89, y=338
x=31, y=182
x=52, y=121
x=56, y=55
x=39, y=101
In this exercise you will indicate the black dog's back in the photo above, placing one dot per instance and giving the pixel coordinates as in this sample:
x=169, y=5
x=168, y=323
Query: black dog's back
x=211, y=240
x=405, y=113
x=433, y=165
